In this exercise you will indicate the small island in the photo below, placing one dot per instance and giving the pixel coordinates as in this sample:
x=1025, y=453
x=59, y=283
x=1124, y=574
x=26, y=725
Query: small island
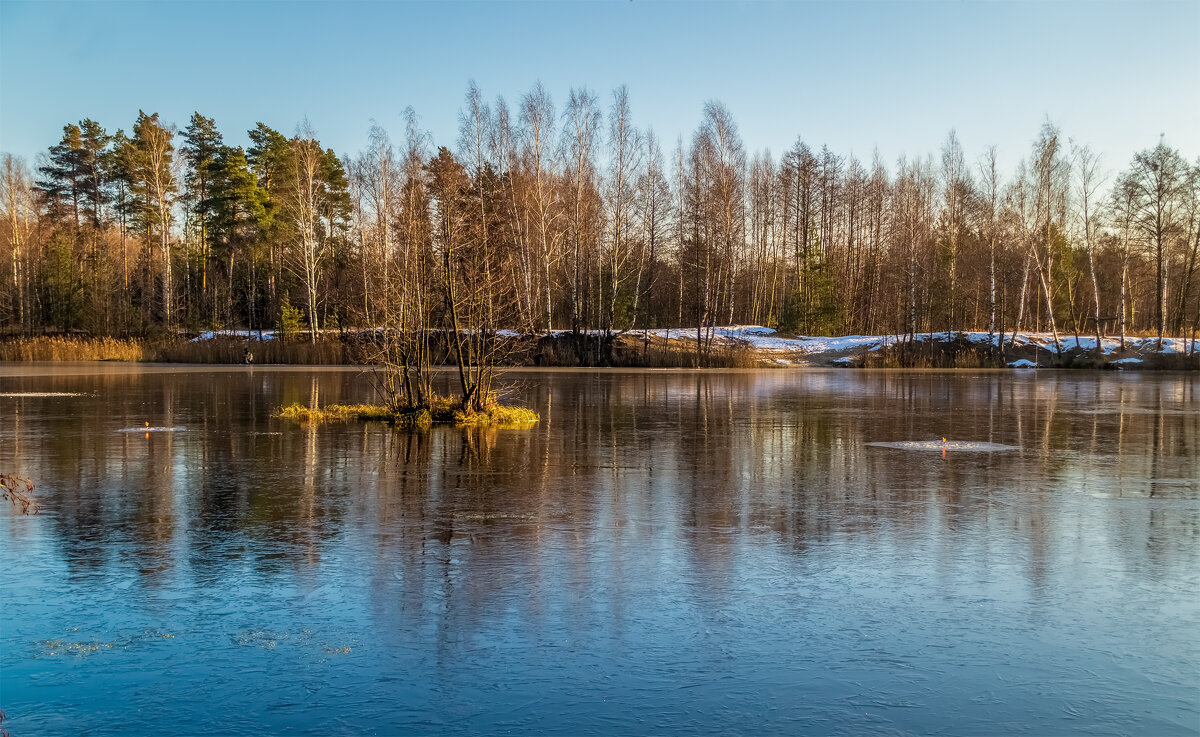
x=442, y=410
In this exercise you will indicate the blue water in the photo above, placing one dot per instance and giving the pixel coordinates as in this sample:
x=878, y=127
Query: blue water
x=665, y=553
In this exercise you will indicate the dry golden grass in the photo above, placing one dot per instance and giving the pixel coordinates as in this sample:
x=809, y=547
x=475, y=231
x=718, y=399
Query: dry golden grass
x=60, y=348
x=442, y=410
x=498, y=416
x=335, y=413
x=218, y=350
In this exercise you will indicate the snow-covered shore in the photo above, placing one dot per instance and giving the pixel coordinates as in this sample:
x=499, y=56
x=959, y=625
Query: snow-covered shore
x=770, y=348
x=849, y=350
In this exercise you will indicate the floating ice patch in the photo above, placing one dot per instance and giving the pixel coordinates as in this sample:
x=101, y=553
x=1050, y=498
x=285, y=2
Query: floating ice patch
x=949, y=446
x=493, y=516
x=845, y=361
x=44, y=394
x=148, y=428
x=1022, y=363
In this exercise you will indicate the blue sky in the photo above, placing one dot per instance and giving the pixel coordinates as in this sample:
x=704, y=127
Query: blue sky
x=855, y=75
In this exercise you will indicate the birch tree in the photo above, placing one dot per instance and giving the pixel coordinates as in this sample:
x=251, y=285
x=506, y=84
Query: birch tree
x=1159, y=176
x=1087, y=181
x=19, y=218
x=537, y=119
x=155, y=184
x=624, y=154
x=305, y=202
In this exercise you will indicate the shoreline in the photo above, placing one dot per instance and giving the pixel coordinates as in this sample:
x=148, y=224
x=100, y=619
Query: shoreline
x=725, y=349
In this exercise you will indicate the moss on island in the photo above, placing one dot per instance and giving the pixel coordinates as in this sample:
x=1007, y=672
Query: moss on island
x=441, y=411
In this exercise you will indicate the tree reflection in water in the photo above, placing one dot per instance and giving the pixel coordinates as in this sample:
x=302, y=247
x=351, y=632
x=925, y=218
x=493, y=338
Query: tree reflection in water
x=656, y=531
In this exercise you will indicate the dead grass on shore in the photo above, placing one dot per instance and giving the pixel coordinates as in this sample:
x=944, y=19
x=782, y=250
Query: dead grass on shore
x=233, y=350
x=219, y=350
x=672, y=354
x=71, y=348
x=953, y=355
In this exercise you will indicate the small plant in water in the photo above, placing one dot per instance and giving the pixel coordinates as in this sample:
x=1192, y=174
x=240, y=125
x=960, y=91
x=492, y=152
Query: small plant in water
x=441, y=410
x=19, y=492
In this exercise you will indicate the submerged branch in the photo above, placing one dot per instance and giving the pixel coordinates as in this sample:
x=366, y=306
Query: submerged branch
x=19, y=492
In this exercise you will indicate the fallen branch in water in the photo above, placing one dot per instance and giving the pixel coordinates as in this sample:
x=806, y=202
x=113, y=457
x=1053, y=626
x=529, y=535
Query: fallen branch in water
x=19, y=492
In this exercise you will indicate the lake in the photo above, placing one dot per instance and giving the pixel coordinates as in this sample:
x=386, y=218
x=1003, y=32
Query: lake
x=667, y=552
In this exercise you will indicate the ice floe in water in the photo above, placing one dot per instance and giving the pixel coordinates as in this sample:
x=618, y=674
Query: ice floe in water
x=949, y=445
x=43, y=394
x=148, y=428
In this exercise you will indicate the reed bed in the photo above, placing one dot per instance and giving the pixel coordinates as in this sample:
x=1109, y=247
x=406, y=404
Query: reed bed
x=233, y=350
x=631, y=350
x=72, y=348
x=678, y=355
x=954, y=354
x=217, y=350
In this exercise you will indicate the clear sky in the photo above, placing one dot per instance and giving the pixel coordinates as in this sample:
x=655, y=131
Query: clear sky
x=855, y=75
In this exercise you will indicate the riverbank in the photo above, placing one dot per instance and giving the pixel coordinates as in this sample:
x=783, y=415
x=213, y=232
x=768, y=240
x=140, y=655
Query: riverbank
x=740, y=346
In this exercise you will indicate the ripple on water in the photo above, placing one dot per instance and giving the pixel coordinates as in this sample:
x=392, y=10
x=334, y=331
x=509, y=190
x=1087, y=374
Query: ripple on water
x=148, y=428
x=937, y=445
x=44, y=394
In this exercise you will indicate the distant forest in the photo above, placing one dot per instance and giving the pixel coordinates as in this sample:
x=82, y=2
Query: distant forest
x=544, y=218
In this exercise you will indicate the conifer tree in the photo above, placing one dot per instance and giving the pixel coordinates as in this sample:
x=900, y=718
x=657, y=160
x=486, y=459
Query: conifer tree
x=93, y=144
x=268, y=157
x=238, y=218
x=201, y=144
x=63, y=175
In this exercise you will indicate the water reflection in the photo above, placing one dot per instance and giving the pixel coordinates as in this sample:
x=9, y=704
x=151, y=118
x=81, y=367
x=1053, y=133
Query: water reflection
x=701, y=552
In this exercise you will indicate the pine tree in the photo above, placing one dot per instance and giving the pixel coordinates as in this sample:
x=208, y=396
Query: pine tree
x=64, y=175
x=239, y=218
x=268, y=157
x=118, y=167
x=201, y=144
x=93, y=146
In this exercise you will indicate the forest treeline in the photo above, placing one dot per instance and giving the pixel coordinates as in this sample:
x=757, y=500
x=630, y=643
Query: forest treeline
x=543, y=218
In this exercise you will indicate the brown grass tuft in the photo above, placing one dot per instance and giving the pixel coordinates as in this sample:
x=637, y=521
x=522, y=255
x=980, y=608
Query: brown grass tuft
x=442, y=410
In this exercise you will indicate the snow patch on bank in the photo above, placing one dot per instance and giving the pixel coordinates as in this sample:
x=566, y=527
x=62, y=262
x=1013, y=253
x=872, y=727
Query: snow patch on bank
x=240, y=334
x=767, y=340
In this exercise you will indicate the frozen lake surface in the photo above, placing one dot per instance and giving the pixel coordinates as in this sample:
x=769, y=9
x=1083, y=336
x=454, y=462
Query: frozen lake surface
x=667, y=552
